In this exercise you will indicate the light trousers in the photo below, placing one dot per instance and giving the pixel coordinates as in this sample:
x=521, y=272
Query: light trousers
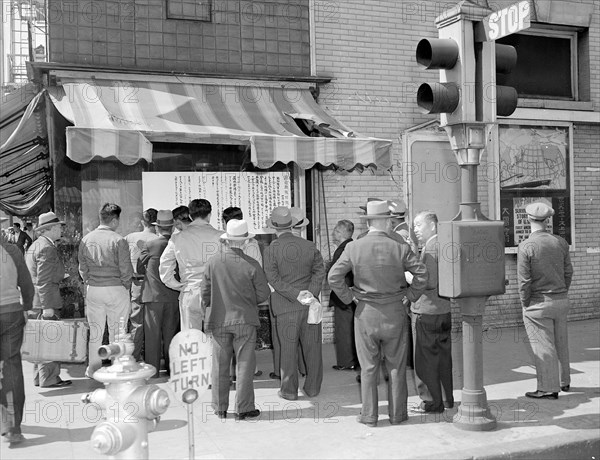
x=381, y=331
x=546, y=326
x=104, y=303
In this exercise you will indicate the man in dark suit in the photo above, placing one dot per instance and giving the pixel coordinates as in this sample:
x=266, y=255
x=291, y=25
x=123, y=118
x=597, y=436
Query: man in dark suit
x=47, y=271
x=294, y=268
x=21, y=239
x=161, y=304
x=345, y=348
x=380, y=291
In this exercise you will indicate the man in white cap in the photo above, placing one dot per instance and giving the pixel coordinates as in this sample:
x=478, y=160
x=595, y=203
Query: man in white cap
x=295, y=269
x=545, y=272
x=232, y=287
x=381, y=321
x=47, y=271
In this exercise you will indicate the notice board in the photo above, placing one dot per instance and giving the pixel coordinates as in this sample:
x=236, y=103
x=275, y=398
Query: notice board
x=255, y=193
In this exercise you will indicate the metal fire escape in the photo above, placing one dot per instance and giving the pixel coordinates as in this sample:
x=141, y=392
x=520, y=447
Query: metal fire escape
x=28, y=38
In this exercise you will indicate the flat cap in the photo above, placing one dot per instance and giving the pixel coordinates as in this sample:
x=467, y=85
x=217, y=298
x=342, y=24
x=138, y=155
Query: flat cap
x=539, y=211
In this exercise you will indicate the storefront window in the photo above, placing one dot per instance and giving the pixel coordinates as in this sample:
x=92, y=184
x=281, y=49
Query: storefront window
x=534, y=166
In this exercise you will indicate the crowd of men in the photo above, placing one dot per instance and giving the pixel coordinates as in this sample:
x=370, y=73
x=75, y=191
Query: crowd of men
x=180, y=272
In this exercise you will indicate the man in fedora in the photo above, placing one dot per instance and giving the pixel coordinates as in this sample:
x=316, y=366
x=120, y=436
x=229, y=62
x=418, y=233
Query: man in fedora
x=161, y=305
x=545, y=272
x=295, y=269
x=399, y=224
x=232, y=287
x=21, y=239
x=381, y=322
x=186, y=254
x=47, y=271
x=136, y=240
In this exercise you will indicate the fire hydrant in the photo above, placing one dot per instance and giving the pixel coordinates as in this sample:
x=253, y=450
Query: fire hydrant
x=132, y=407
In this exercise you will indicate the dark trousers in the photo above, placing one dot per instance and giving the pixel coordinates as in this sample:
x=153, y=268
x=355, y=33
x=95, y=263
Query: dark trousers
x=228, y=341
x=12, y=393
x=275, y=343
x=161, y=323
x=136, y=319
x=47, y=373
x=293, y=329
x=382, y=333
x=433, y=359
x=345, y=347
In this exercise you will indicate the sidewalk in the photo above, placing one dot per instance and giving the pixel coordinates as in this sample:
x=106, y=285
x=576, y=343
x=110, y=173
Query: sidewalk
x=58, y=425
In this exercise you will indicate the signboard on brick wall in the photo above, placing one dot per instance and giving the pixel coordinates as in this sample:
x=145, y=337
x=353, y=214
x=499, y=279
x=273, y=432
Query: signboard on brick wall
x=255, y=193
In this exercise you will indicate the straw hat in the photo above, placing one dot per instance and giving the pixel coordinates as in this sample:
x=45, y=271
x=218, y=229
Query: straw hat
x=164, y=218
x=47, y=220
x=237, y=230
x=377, y=210
x=299, y=214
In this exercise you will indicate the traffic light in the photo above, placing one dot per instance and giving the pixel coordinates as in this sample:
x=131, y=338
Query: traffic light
x=506, y=96
x=439, y=54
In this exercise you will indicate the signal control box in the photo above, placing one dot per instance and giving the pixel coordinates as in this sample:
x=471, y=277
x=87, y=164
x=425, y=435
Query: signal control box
x=471, y=258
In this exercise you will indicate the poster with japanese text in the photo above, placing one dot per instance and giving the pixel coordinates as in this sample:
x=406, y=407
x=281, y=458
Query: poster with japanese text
x=255, y=193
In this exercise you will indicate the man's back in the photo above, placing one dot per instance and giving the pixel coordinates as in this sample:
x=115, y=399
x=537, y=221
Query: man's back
x=154, y=289
x=191, y=248
x=293, y=264
x=378, y=262
x=104, y=259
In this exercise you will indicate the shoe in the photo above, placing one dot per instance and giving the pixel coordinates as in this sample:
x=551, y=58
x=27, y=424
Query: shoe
x=62, y=383
x=274, y=376
x=221, y=413
x=425, y=408
x=449, y=404
x=360, y=420
x=565, y=388
x=541, y=395
x=250, y=414
x=289, y=398
x=257, y=373
x=13, y=438
x=398, y=422
x=345, y=368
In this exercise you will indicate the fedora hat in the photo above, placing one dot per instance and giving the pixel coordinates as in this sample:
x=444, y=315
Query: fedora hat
x=377, y=210
x=397, y=208
x=164, y=218
x=299, y=214
x=539, y=211
x=237, y=230
x=364, y=208
x=281, y=218
x=47, y=220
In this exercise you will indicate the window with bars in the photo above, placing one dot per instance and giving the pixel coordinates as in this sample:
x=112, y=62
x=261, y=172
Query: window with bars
x=189, y=9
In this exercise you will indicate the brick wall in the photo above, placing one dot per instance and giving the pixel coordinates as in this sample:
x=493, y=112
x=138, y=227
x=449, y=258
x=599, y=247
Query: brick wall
x=368, y=47
x=267, y=37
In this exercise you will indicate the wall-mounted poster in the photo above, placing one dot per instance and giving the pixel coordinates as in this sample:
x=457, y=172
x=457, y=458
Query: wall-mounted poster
x=534, y=166
x=255, y=193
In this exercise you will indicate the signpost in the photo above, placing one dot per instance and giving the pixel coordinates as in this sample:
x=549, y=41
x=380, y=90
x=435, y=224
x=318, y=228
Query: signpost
x=504, y=22
x=191, y=363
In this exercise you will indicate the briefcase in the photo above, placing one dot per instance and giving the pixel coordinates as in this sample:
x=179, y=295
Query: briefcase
x=65, y=341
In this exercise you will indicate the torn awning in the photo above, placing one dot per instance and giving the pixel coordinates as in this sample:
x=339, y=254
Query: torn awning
x=121, y=117
x=25, y=176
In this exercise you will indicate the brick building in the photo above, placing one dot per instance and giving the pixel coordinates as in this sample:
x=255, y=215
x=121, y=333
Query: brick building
x=357, y=59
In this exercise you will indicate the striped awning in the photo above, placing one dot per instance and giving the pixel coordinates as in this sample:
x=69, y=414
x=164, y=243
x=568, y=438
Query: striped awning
x=25, y=176
x=279, y=121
